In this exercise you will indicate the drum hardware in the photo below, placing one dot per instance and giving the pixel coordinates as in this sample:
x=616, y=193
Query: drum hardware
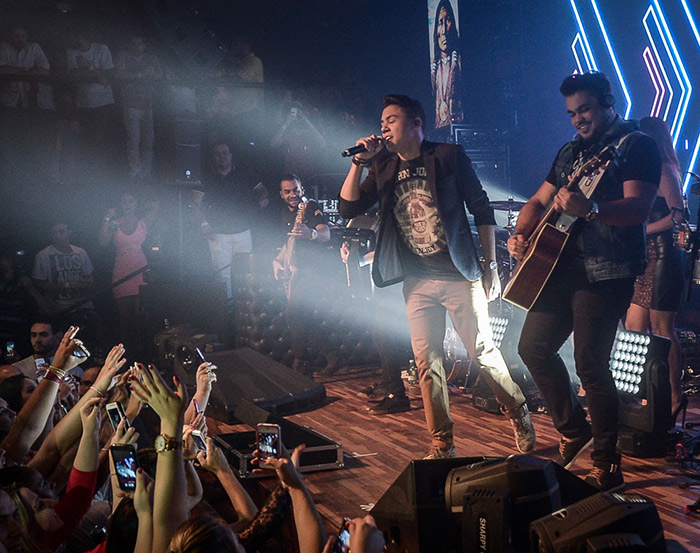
x=512, y=207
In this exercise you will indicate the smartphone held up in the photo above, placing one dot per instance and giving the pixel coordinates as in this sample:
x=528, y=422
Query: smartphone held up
x=116, y=413
x=269, y=442
x=125, y=466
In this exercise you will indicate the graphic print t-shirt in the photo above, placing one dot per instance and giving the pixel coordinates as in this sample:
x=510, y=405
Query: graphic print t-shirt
x=423, y=238
x=53, y=266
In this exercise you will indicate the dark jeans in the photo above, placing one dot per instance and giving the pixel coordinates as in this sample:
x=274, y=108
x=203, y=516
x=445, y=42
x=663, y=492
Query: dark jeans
x=592, y=311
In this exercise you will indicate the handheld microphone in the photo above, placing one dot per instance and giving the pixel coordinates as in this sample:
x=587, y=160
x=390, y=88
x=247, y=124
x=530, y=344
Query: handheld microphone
x=356, y=149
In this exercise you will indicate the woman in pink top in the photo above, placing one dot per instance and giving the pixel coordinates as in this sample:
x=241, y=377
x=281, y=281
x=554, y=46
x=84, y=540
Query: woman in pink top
x=127, y=233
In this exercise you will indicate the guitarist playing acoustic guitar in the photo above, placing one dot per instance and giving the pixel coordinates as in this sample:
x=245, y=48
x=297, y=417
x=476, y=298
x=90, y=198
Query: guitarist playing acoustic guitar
x=590, y=284
x=298, y=263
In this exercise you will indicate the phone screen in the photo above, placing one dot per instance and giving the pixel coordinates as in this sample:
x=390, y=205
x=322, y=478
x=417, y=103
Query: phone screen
x=125, y=465
x=199, y=440
x=268, y=442
x=342, y=543
x=115, y=411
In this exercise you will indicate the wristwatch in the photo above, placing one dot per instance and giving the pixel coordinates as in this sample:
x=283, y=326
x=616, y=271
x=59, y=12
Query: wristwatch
x=593, y=213
x=493, y=265
x=314, y=234
x=163, y=442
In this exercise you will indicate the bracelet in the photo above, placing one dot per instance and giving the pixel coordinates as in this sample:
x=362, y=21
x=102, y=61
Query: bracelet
x=52, y=377
x=59, y=372
x=360, y=163
x=96, y=390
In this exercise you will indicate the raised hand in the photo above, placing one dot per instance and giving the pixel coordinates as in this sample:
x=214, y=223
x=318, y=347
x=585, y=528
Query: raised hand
x=205, y=376
x=90, y=416
x=153, y=390
x=213, y=459
x=64, y=358
x=113, y=363
x=124, y=436
x=143, y=494
x=285, y=467
x=364, y=535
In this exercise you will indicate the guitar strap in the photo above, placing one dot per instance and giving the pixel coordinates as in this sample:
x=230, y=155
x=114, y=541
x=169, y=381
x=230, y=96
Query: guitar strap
x=587, y=185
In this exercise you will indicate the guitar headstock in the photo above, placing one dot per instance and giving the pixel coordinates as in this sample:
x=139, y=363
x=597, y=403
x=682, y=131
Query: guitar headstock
x=608, y=156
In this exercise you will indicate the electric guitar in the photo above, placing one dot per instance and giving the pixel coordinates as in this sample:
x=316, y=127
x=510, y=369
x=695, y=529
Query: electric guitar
x=549, y=237
x=287, y=255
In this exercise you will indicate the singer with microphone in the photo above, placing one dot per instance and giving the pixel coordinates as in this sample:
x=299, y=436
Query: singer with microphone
x=304, y=233
x=425, y=241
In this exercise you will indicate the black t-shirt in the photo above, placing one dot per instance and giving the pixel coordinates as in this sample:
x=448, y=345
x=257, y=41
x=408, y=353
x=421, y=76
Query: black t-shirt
x=306, y=251
x=423, y=245
x=639, y=161
x=231, y=206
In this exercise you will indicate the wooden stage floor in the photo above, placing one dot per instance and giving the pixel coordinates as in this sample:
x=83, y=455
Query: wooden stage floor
x=378, y=448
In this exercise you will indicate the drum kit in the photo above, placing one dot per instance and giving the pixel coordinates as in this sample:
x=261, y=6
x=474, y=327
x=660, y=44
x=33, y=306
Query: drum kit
x=505, y=262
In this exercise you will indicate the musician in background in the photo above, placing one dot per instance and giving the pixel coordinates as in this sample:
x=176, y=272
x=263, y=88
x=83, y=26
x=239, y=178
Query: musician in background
x=424, y=240
x=658, y=292
x=298, y=265
x=592, y=283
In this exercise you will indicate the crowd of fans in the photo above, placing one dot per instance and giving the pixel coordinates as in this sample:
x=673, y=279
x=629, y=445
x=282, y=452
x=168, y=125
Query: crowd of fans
x=79, y=111
x=64, y=488
x=86, y=108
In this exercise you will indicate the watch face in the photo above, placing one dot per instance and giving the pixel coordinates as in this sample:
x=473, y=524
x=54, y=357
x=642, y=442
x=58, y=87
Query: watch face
x=160, y=443
x=493, y=265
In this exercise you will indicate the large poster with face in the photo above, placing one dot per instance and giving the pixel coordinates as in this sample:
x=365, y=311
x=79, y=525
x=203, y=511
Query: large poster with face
x=445, y=61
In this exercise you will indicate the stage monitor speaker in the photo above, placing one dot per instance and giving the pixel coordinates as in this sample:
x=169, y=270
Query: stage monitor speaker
x=497, y=499
x=604, y=515
x=412, y=513
x=414, y=516
x=246, y=374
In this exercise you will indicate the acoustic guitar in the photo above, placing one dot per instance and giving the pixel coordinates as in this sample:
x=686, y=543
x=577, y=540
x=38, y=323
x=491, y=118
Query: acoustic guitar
x=547, y=240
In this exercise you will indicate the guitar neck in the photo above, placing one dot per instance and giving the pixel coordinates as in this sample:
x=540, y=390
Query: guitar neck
x=574, y=185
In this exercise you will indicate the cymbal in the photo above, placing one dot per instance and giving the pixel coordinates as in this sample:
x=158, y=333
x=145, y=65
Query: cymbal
x=507, y=205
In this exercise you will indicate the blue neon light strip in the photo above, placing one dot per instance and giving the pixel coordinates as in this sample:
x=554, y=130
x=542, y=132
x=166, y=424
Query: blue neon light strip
x=671, y=59
x=613, y=58
x=691, y=21
x=658, y=59
x=694, y=157
x=660, y=65
x=682, y=105
x=655, y=80
x=573, y=49
x=593, y=65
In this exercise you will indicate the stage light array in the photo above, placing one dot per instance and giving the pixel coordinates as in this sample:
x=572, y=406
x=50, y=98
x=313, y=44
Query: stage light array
x=628, y=359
